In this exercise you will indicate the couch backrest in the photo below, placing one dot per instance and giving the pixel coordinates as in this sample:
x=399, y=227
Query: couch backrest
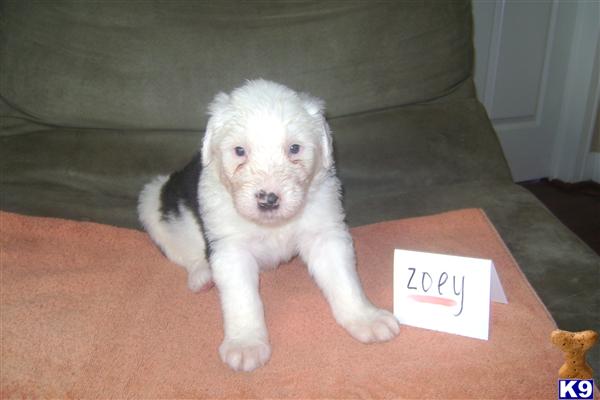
x=156, y=65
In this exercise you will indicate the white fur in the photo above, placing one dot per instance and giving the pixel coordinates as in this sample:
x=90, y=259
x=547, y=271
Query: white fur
x=265, y=119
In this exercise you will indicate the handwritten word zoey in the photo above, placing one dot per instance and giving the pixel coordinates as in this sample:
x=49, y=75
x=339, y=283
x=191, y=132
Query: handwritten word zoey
x=425, y=282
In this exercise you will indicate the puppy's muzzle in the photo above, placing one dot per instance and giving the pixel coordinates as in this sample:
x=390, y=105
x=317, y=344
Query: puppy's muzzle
x=267, y=201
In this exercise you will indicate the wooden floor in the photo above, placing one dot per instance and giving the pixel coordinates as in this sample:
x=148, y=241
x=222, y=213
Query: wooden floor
x=576, y=205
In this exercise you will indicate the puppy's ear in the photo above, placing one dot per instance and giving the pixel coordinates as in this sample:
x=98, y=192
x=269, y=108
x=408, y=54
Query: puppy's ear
x=216, y=111
x=316, y=108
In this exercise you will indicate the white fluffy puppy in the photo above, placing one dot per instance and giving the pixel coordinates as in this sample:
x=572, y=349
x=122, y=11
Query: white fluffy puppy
x=261, y=191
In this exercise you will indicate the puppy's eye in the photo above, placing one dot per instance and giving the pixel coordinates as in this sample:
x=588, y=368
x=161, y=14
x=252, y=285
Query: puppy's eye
x=239, y=151
x=294, y=149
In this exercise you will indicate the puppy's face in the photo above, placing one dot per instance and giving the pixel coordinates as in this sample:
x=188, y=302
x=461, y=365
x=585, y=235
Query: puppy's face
x=267, y=144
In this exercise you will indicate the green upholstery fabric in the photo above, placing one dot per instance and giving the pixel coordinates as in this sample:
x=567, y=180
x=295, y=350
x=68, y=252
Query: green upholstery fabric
x=156, y=64
x=97, y=97
x=420, y=146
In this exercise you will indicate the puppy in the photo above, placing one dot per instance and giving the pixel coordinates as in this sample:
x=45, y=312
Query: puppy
x=262, y=190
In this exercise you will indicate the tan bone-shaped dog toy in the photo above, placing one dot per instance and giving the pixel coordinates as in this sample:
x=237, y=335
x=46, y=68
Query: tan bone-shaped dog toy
x=574, y=345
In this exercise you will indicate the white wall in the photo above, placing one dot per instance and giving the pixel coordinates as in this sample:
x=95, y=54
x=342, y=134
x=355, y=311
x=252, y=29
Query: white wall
x=536, y=71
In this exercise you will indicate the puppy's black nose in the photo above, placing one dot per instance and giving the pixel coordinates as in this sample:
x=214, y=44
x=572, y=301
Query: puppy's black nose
x=272, y=198
x=267, y=201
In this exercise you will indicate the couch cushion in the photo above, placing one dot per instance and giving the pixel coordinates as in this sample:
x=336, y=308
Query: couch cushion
x=105, y=315
x=87, y=174
x=420, y=146
x=156, y=65
x=97, y=174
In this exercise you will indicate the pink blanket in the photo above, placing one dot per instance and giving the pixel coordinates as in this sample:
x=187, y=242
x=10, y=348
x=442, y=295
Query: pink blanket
x=95, y=311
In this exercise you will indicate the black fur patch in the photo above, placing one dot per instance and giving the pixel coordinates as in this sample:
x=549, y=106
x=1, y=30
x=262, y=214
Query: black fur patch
x=182, y=189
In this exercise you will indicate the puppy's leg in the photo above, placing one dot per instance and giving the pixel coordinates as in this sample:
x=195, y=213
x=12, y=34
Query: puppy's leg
x=236, y=275
x=176, y=233
x=331, y=262
x=185, y=246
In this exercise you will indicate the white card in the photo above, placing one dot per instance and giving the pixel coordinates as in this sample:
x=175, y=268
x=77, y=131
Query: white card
x=445, y=293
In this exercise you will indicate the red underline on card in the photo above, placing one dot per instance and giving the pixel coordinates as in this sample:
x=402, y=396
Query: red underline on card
x=433, y=300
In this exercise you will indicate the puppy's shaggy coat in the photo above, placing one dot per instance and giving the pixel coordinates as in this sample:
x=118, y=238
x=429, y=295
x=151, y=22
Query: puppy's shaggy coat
x=261, y=191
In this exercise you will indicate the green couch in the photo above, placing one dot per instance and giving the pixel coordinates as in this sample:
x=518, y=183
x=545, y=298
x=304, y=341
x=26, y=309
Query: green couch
x=97, y=97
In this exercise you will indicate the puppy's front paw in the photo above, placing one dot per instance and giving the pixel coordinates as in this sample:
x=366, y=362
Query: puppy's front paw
x=244, y=355
x=374, y=326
